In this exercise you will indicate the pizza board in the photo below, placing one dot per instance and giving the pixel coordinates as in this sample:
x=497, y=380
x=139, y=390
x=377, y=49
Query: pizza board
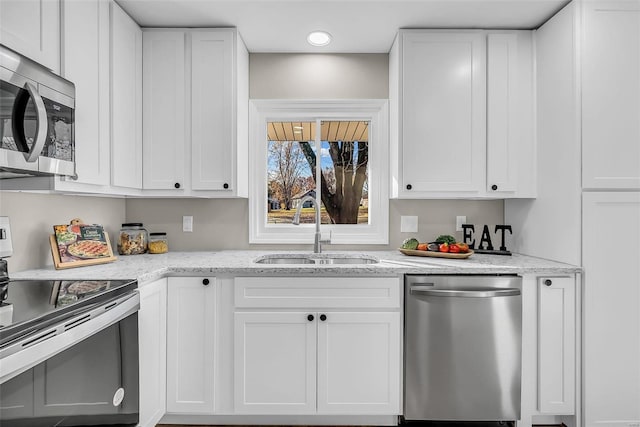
x=80, y=245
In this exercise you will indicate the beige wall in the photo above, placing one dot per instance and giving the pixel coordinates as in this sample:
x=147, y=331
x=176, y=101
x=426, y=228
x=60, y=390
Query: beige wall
x=318, y=76
x=224, y=223
x=32, y=217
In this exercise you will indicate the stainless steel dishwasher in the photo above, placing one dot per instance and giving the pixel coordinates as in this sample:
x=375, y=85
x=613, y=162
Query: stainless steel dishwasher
x=463, y=348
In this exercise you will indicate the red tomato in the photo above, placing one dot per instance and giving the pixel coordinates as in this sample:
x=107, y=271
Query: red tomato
x=444, y=247
x=454, y=248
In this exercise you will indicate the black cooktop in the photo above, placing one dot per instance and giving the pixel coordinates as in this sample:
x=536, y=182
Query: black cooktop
x=33, y=304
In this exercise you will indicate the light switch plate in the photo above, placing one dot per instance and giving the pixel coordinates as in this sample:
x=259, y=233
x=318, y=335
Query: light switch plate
x=408, y=224
x=187, y=223
x=6, y=248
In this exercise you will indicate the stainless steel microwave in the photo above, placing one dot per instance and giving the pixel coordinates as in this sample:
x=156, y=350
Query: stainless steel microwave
x=37, y=114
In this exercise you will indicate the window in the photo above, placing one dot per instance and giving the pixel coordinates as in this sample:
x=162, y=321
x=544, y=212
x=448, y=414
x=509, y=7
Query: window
x=349, y=181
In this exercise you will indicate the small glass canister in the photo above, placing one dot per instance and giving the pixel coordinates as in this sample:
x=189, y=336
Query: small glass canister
x=133, y=239
x=158, y=243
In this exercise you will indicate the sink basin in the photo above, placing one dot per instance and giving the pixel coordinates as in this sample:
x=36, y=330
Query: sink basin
x=316, y=259
x=285, y=260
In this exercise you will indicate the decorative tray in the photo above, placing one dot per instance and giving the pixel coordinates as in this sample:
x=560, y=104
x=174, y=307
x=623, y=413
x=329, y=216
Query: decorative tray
x=412, y=252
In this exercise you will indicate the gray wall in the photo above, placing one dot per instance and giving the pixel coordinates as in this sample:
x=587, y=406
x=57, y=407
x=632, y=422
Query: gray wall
x=223, y=224
x=318, y=76
x=33, y=216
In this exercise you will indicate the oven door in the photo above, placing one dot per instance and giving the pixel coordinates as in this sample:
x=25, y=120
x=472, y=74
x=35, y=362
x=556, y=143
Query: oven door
x=93, y=382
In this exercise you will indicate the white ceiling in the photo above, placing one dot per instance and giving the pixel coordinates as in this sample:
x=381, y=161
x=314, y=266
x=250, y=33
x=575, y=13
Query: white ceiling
x=357, y=26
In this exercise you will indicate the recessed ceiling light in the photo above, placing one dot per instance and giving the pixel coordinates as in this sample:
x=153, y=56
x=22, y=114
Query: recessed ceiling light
x=319, y=38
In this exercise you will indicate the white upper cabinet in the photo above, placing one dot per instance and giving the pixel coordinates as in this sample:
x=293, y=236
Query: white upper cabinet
x=164, y=109
x=441, y=122
x=212, y=111
x=126, y=100
x=510, y=115
x=195, y=112
x=85, y=62
x=461, y=114
x=32, y=28
x=219, y=113
x=611, y=95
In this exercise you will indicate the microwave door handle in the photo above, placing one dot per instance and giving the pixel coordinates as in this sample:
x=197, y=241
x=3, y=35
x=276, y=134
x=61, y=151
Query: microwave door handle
x=43, y=124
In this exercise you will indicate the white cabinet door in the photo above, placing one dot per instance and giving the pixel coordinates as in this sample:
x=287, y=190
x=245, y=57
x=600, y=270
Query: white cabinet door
x=164, y=109
x=85, y=62
x=191, y=336
x=611, y=95
x=510, y=115
x=152, y=336
x=213, y=113
x=359, y=363
x=556, y=345
x=442, y=113
x=611, y=360
x=126, y=100
x=32, y=28
x=275, y=363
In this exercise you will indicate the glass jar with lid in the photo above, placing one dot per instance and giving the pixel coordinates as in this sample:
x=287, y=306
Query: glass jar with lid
x=133, y=239
x=158, y=243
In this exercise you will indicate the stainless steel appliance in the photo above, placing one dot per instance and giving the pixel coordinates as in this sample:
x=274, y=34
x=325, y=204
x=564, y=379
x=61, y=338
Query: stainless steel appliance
x=463, y=348
x=36, y=119
x=69, y=353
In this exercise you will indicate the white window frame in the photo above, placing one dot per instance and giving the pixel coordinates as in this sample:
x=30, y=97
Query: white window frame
x=376, y=112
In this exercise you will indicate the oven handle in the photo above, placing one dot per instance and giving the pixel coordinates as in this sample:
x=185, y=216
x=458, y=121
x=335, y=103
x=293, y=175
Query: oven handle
x=36, y=348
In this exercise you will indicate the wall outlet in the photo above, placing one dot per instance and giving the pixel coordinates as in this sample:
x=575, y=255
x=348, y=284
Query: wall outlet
x=187, y=223
x=459, y=221
x=408, y=224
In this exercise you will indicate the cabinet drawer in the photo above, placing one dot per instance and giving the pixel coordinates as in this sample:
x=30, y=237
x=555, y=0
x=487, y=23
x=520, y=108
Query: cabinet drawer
x=317, y=292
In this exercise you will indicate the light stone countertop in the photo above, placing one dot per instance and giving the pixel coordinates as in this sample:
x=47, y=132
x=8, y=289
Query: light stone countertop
x=147, y=268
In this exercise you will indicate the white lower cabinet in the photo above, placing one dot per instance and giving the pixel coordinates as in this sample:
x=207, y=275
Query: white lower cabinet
x=152, y=336
x=275, y=359
x=191, y=336
x=611, y=353
x=556, y=345
x=358, y=363
x=317, y=359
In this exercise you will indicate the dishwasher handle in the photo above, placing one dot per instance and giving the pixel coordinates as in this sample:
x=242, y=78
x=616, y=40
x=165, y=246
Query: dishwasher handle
x=466, y=293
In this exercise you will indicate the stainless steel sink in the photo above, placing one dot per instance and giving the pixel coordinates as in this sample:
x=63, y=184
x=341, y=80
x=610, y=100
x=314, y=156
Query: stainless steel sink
x=316, y=259
x=286, y=260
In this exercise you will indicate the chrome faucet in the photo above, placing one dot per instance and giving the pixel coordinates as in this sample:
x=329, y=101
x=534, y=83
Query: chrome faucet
x=317, y=241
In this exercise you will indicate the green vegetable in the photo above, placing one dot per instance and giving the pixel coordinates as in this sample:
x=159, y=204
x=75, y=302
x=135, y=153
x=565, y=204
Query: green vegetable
x=410, y=243
x=445, y=238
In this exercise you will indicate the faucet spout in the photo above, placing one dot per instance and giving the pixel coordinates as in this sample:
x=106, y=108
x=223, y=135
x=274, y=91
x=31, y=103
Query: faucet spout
x=317, y=241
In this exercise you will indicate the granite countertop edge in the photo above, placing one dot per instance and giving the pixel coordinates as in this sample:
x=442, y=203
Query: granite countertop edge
x=147, y=268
